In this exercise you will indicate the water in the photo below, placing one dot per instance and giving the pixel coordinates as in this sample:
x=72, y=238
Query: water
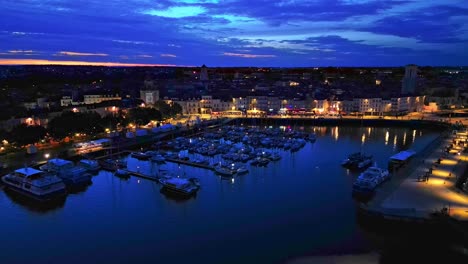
x=300, y=205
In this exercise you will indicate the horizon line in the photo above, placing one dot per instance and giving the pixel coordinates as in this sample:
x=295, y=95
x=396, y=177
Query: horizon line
x=45, y=62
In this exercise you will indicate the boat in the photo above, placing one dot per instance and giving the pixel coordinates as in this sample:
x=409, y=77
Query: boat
x=275, y=157
x=242, y=170
x=383, y=174
x=91, y=166
x=35, y=184
x=400, y=159
x=122, y=173
x=158, y=158
x=223, y=171
x=140, y=155
x=263, y=162
x=180, y=186
x=357, y=160
x=312, y=137
x=72, y=176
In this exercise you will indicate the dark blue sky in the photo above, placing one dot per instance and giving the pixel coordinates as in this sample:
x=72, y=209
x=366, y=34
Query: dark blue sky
x=236, y=32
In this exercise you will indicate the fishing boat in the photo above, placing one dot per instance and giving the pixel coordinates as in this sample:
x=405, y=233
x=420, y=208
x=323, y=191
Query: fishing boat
x=35, y=184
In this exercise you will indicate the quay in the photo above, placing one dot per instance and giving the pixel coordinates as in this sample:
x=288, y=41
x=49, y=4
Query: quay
x=408, y=198
x=189, y=163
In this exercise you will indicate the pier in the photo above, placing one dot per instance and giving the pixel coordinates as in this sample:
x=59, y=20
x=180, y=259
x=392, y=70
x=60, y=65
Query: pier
x=412, y=197
x=189, y=163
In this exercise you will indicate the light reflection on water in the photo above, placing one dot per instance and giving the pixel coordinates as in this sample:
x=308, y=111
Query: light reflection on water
x=298, y=204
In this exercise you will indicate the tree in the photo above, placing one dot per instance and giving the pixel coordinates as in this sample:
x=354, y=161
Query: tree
x=24, y=134
x=142, y=116
x=69, y=123
x=164, y=108
x=176, y=109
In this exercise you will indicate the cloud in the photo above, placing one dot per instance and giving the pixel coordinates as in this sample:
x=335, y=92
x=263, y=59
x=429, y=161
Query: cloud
x=144, y=56
x=77, y=63
x=176, y=11
x=21, y=51
x=248, y=56
x=132, y=42
x=71, y=53
x=168, y=55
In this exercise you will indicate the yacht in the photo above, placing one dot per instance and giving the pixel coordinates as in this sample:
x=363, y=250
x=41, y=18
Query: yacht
x=180, y=185
x=383, y=174
x=357, y=161
x=140, y=155
x=35, y=184
x=91, y=166
x=122, y=173
x=158, y=158
x=242, y=170
x=275, y=157
x=72, y=176
x=224, y=171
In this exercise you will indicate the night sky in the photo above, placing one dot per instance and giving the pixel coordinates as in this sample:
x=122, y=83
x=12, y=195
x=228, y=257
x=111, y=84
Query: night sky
x=283, y=33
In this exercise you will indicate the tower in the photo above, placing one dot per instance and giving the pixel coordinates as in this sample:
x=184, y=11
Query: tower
x=204, y=73
x=409, y=81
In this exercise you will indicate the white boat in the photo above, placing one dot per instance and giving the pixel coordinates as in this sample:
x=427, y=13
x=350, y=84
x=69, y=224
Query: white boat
x=35, y=184
x=180, y=185
x=72, y=176
x=242, y=170
x=90, y=165
x=121, y=173
x=383, y=174
x=223, y=171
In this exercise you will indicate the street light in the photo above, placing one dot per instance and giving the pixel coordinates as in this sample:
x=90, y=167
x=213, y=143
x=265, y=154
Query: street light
x=46, y=156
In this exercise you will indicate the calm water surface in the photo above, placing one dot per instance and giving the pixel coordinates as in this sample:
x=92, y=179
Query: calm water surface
x=297, y=206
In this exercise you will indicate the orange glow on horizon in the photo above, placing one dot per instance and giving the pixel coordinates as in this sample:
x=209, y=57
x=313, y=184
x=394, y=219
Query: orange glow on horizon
x=78, y=63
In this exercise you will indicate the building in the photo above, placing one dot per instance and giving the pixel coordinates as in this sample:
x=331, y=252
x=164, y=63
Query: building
x=149, y=96
x=89, y=99
x=409, y=80
x=204, y=73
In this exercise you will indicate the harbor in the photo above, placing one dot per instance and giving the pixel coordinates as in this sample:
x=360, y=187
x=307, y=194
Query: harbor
x=303, y=176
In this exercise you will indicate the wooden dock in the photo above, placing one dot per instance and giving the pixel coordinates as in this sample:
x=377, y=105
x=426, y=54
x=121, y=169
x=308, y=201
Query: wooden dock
x=189, y=163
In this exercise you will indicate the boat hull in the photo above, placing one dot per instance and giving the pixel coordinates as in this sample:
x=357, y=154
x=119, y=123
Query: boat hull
x=41, y=198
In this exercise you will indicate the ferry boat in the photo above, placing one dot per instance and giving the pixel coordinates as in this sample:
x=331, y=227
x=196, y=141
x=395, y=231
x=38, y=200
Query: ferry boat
x=180, y=186
x=35, y=184
x=72, y=176
x=91, y=166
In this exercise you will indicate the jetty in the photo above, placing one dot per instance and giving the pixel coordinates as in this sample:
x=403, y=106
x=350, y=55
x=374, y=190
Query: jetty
x=427, y=185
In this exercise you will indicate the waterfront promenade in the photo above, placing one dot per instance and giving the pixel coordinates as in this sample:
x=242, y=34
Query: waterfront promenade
x=410, y=196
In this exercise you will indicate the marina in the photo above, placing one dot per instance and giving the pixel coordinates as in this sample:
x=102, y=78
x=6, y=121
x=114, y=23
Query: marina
x=295, y=180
